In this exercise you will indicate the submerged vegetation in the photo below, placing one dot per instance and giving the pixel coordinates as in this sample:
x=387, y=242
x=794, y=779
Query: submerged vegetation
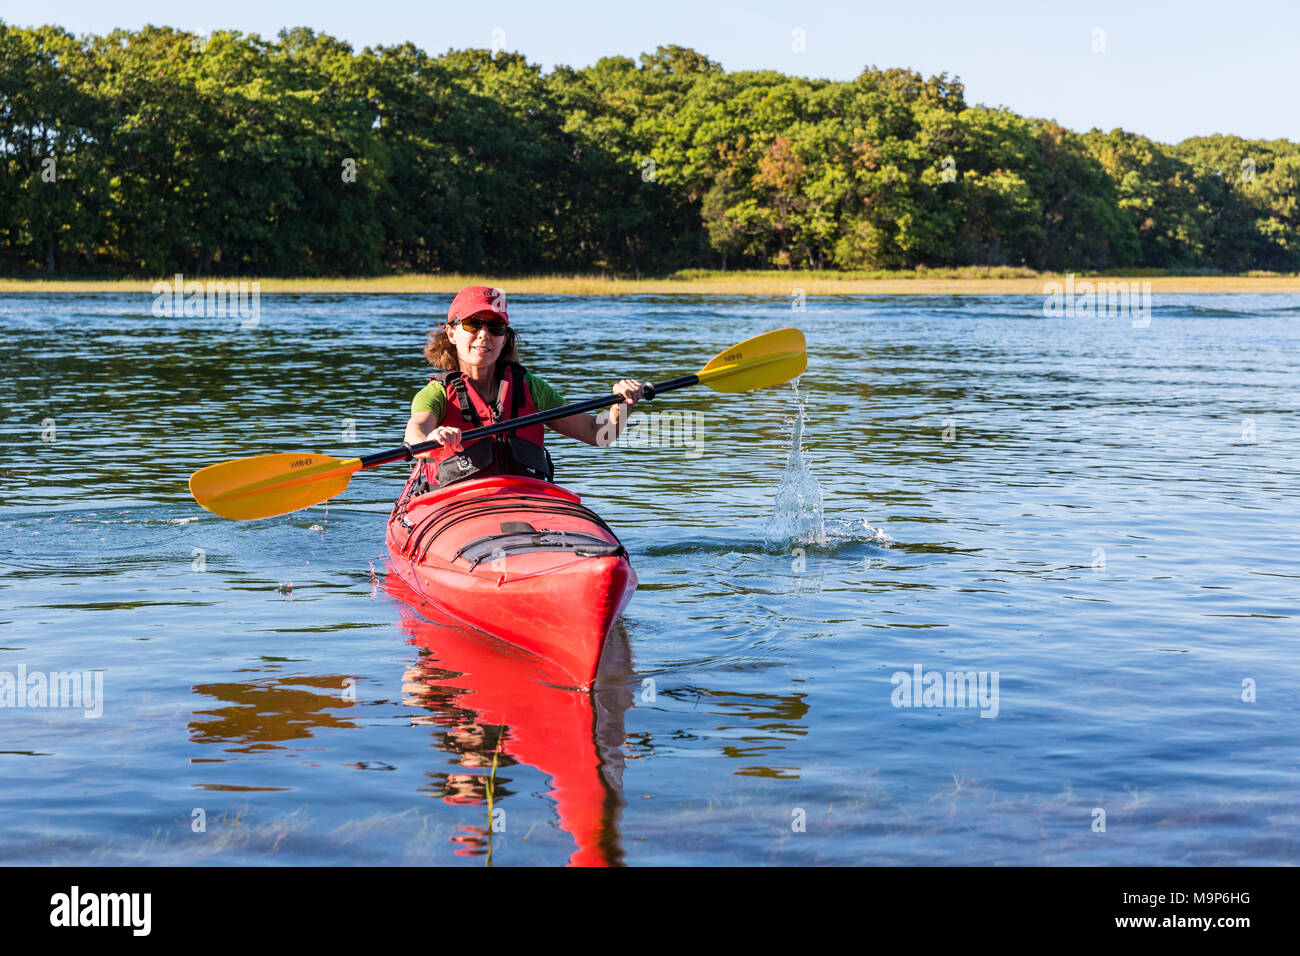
x=143, y=153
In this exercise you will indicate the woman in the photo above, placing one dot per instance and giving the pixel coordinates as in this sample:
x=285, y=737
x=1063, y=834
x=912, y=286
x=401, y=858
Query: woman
x=480, y=381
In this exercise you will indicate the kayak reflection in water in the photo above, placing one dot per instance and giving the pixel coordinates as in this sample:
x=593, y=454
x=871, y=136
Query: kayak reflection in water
x=479, y=381
x=493, y=710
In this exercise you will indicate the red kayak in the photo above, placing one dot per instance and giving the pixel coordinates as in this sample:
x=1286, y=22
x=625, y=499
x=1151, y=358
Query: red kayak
x=518, y=558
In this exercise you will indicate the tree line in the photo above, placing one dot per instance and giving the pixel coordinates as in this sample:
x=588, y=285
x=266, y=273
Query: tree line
x=154, y=151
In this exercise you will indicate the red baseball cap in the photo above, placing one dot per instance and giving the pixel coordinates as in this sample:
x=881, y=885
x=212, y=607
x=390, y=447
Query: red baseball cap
x=478, y=298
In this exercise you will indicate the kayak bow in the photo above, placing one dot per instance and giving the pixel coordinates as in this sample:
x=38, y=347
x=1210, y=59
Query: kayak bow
x=518, y=558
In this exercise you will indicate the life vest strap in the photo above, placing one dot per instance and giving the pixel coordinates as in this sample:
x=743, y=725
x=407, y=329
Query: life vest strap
x=467, y=408
x=508, y=452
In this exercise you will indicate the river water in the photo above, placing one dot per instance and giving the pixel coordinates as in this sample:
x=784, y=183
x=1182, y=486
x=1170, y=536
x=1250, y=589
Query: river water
x=1089, y=523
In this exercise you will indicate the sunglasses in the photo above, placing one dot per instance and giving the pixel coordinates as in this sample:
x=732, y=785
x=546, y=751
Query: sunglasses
x=494, y=326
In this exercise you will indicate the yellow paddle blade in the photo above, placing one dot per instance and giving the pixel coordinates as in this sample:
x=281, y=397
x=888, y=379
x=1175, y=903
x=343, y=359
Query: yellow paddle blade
x=765, y=360
x=268, y=485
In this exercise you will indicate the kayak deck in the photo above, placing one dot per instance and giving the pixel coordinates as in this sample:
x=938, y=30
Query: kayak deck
x=518, y=558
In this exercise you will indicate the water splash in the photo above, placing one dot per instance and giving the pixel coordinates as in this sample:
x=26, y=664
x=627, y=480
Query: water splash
x=799, y=517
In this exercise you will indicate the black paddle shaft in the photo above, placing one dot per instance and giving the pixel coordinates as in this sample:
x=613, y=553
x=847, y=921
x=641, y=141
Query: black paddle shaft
x=650, y=391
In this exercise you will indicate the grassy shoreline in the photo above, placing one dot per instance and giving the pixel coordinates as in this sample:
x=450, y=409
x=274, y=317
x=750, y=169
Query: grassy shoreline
x=991, y=281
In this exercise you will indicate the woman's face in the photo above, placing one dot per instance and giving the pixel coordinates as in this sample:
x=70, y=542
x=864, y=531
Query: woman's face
x=477, y=349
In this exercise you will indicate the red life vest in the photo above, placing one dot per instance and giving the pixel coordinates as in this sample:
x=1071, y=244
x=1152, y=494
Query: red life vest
x=518, y=452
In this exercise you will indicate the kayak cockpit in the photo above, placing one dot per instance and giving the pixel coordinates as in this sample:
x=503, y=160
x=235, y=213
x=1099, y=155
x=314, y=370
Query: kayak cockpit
x=497, y=546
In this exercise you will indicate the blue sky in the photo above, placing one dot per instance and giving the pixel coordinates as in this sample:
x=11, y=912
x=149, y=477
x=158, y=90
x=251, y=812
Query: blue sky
x=1168, y=69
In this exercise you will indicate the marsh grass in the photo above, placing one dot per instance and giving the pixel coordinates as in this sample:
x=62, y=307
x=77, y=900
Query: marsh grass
x=491, y=794
x=289, y=838
x=890, y=825
x=970, y=280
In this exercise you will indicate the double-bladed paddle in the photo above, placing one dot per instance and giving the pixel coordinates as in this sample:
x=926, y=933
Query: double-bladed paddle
x=269, y=485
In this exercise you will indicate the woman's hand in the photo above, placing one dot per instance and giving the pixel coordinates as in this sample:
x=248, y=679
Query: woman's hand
x=631, y=391
x=446, y=436
x=416, y=434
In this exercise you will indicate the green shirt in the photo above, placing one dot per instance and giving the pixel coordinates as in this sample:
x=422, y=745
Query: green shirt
x=433, y=397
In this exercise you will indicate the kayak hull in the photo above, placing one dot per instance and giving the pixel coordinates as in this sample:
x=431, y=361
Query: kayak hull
x=518, y=558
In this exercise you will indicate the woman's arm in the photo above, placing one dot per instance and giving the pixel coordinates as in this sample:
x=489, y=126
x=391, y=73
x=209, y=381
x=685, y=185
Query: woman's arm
x=599, y=430
x=586, y=428
x=419, y=426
